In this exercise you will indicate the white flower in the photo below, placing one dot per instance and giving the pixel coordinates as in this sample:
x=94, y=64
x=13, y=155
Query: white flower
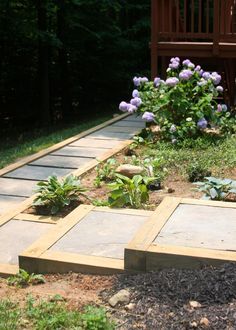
x=189, y=119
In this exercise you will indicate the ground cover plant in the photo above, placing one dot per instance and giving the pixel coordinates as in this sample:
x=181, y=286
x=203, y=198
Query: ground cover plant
x=55, y=194
x=23, y=278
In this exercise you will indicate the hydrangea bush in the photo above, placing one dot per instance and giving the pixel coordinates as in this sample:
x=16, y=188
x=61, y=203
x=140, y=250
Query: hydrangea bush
x=183, y=105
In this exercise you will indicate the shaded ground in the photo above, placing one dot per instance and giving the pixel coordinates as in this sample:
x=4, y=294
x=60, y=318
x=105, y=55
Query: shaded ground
x=158, y=300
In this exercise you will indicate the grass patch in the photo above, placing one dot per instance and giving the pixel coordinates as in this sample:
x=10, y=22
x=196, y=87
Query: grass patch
x=32, y=142
x=216, y=154
x=51, y=315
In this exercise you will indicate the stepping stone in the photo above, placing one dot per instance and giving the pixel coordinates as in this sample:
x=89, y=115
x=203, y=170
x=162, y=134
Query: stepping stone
x=100, y=234
x=200, y=227
x=85, y=142
x=104, y=134
x=16, y=236
x=128, y=123
x=37, y=172
x=119, y=129
x=9, y=202
x=80, y=151
x=134, y=118
x=60, y=161
x=17, y=187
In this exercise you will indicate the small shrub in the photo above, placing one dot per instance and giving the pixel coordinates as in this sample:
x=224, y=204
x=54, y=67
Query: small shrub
x=197, y=172
x=105, y=172
x=129, y=192
x=216, y=189
x=23, y=278
x=56, y=194
x=95, y=319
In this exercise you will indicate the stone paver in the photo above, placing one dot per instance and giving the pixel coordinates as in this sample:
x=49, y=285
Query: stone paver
x=37, y=172
x=80, y=152
x=17, y=187
x=8, y=202
x=106, y=234
x=126, y=123
x=104, y=144
x=201, y=227
x=16, y=236
x=61, y=161
x=120, y=129
x=104, y=134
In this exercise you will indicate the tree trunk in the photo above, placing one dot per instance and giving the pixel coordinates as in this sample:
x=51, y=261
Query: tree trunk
x=43, y=66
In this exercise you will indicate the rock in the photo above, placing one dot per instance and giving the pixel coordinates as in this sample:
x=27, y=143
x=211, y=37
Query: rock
x=194, y=304
x=204, y=321
x=130, y=306
x=170, y=190
x=129, y=170
x=123, y=296
x=193, y=324
x=149, y=311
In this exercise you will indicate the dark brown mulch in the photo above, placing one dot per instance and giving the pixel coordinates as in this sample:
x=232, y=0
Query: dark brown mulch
x=162, y=299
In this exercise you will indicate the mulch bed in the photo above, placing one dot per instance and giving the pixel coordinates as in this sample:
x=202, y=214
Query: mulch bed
x=161, y=299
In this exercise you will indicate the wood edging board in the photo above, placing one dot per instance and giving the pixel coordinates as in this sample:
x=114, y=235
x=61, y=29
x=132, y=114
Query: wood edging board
x=28, y=159
x=38, y=258
x=142, y=255
x=8, y=270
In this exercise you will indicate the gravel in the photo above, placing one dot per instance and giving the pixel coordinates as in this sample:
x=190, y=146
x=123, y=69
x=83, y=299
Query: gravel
x=163, y=300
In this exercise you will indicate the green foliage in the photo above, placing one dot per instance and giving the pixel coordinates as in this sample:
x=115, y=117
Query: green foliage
x=216, y=189
x=197, y=171
x=129, y=192
x=51, y=315
x=23, y=278
x=56, y=194
x=105, y=171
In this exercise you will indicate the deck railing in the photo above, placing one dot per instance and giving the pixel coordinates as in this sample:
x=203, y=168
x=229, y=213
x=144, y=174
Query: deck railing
x=194, y=20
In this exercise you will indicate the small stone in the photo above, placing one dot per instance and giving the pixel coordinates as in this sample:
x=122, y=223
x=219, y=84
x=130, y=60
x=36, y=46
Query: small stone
x=130, y=306
x=123, y=296
x=149, y=311
x=193, y=324
x=170, y=190
x=194, y=304
x=204, y=321
x=129, y=170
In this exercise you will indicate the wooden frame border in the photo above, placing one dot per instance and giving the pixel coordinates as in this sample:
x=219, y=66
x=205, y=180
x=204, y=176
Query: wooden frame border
x=38, y=258
x=142, y=255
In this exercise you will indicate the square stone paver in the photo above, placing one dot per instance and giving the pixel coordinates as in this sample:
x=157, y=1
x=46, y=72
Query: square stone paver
x=37, y=172
x=80, y=151
x=7, y=203
x=16, y=236
x=61, y=161
x=200, y=227
x=105, y=134
x=128, y=123
x=104, y=144
x=17, y=187
x=100, y=234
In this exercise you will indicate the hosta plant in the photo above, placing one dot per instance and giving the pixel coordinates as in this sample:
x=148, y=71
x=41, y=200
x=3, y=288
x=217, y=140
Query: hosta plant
x=105, y=171
x=216, y=189
x=183, y=105
x=56, y=194
x=131, y=192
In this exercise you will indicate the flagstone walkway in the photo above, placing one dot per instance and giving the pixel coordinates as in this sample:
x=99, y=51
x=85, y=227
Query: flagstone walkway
x=18, y=184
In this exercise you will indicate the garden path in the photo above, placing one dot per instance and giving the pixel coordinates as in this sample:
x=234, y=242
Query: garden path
x=18, y=184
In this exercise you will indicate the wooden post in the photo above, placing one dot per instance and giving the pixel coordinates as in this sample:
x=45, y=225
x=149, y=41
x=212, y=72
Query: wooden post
x=154, y=38
x=216, y=28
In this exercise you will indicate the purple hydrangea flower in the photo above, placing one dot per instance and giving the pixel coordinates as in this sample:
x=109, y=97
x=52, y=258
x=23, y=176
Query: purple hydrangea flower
x=216, y=78
x=157, y=81
x=131, y=108
x=136, y=101
x=135, y=93
x=206, y=75
x=186, y=62
x=174, y=65
x=219, y=108
x=172, y=81
x=137, y=81
x=185, y=74
x=220, y=89
x=202, y=123
x=202, y=82
x=123, y=106
x=198, y=68
x=148, y=116
x=172, y=128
